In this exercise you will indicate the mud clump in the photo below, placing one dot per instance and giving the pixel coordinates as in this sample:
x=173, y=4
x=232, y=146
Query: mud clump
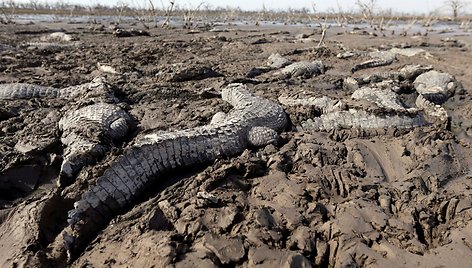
x=358, y=189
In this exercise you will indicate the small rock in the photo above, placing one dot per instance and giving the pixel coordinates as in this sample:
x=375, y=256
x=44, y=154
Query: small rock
x=261, y=41
x=198, y=257
x=265, y=257
x=301, y=36
x=302, y=239
x=159, y=222
x=205, y=199
x=464, y=204
x=264, y=218
x=385, y=202
x=220, y=218
x=321, y=252
x=227, y=250
x=107, y=68
x=25, y=147
x=169, y=211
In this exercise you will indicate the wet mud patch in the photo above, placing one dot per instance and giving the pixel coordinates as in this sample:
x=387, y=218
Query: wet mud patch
x=20, y=181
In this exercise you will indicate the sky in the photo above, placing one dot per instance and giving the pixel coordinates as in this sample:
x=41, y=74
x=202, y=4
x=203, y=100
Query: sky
x=325, y=5
x=406, y=6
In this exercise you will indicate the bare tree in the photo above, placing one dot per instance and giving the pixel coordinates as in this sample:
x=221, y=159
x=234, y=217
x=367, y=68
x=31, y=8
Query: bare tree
x=324, y=25
x=190, y=13
x=7, y=11
x=119, y=10
x=168, y=14
x=367, y=8
x=261, y=14
x=456, y=6
x=34, y=4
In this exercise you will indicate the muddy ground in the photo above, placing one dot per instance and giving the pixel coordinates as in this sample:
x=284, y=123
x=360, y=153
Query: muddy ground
x=328, y=199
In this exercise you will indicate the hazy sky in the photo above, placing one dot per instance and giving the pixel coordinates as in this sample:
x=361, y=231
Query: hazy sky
x=417, y=6
x=323, y=5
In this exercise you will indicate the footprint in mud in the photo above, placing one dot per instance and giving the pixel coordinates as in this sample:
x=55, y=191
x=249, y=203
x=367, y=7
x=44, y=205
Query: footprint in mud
x=380, y=160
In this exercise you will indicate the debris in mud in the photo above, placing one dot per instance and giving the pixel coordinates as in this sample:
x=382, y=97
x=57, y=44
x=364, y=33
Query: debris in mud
x=58, y=37
x=256, y=71
x=181, y=72
x=130, y=32
x=261, y=41
x=107, y=68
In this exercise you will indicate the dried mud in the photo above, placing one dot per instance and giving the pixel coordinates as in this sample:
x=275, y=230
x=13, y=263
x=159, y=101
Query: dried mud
x=340, y=198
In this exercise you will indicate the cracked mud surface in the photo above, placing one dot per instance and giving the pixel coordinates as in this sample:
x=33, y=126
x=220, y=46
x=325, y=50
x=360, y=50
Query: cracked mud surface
x=328, y=198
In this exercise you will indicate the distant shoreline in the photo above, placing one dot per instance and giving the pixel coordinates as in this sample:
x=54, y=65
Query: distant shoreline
x=292, y=16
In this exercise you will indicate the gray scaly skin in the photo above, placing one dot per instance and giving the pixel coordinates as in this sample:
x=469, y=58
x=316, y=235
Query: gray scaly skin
x=88, y=134
x=360, y=119
x=334, y=117
x=253, y=121
x=408, y=72
x=276, y=61
x=12, y=91
x=324, y=104
x=350, y=54
x=58, y=37
x=382, y=76
x=51, y=45
x=431, y=109
x=371, y=64
x=434, y=88
x=382, y=97
x=305, y=69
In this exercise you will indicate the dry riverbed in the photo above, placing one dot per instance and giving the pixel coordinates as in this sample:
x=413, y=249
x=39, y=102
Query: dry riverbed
x=329, y=198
